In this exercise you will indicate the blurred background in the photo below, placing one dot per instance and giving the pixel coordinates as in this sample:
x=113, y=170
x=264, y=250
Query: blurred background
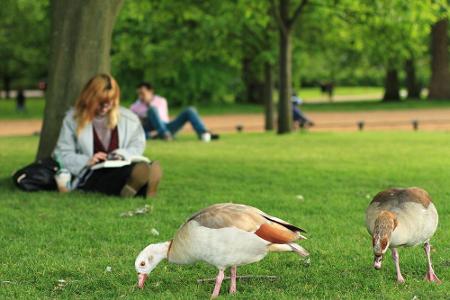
x=226, y=57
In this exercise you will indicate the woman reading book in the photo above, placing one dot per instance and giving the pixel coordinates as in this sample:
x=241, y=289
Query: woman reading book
x=98, y=130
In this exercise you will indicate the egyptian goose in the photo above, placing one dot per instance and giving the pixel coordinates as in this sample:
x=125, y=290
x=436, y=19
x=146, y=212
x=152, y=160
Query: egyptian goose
x=401, y=217
x=223, y=235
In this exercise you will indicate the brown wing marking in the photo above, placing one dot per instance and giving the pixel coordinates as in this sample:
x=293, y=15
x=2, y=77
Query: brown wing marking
x=276, y=233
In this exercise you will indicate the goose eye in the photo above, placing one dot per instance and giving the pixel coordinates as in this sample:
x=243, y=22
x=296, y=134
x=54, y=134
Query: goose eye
x=142, y=263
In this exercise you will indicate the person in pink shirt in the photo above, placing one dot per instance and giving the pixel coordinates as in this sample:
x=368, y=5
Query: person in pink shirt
x=154, y=114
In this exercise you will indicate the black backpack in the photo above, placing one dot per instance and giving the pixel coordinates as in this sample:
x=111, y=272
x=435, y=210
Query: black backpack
x=38, y=176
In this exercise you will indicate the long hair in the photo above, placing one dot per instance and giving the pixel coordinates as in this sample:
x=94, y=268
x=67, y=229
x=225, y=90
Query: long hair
x=100, y=88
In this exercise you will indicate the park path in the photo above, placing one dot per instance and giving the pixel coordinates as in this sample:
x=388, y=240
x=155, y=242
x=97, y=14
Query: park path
x=428, y=120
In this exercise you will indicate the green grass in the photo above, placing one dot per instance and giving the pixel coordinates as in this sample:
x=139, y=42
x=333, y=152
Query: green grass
x=47, y=236
x=372, y=105
x=314, y=92
x=35, y=107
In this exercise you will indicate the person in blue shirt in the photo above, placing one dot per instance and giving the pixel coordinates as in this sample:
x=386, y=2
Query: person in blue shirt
x=298, y=116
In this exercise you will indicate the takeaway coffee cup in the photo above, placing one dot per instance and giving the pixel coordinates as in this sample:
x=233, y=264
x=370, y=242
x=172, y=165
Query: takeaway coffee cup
x=63, y=179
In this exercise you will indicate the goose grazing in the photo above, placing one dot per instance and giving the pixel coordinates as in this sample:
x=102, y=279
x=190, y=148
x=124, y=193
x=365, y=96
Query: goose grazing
x=401, y=217
x=223, y=235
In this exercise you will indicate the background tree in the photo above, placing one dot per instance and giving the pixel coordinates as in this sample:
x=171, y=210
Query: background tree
x=257, y=38
x=391, y=32
x=282, y=13
x=413, y=87
x=23, y=55
x=188, y=49
x=440, y=73
x=80, y=46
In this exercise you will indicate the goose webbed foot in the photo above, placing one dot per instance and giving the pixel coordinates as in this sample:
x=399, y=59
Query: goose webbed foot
x=431, y=277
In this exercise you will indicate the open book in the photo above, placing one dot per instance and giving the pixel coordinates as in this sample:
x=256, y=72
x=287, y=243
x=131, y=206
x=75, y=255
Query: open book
x=120, y=163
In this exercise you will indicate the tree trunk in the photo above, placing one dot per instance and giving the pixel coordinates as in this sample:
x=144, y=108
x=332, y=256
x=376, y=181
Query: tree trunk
x=268, y=97
x=246, y=66
x=285, y=91
x=391, y=86
x=440, y=74
x=79, y=48
x=253, y=92
x=412, y=86
x=7, y=86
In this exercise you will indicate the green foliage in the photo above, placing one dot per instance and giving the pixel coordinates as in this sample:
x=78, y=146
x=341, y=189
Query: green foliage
x=210, y=51
x=24, y=26
x=182, y=47
x=359, y=39
x=75, y=237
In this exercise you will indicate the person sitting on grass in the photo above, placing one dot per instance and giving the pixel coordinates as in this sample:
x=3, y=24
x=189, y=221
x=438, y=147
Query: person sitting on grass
x=154, y=114
x=97, y=129
x=299, y=118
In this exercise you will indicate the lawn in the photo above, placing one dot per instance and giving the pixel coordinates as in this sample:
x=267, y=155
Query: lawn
x=47, y=237
x=35, y=107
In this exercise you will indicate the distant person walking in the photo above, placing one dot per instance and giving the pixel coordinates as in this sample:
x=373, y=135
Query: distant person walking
x=20, y=100
x=327, y=87
x=300, y=119
x=154, y=114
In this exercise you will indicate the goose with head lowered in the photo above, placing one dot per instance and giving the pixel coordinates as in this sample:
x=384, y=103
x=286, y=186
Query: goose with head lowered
x=225, y=236
x=402, y=218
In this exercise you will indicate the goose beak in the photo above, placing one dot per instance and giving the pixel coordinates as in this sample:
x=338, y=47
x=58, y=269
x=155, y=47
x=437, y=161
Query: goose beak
x=377, y=261
x=141, y=280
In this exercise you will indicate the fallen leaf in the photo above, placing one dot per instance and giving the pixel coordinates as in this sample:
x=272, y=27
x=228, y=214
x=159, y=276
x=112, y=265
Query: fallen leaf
x=138, y=211
x=154, y=231
x=307, y=262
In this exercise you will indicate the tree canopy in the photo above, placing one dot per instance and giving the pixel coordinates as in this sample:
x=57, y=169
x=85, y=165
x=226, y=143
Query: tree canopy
x=24, y=29
x=213, y=51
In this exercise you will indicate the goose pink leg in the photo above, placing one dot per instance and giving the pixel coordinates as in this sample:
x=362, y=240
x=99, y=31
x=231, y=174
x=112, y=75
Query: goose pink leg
x=396, y=258
x=430, y=276
x=219, y=280
x=233, y=287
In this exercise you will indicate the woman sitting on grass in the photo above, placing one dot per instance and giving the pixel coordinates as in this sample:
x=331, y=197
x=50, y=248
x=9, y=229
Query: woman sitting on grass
x=97, y=129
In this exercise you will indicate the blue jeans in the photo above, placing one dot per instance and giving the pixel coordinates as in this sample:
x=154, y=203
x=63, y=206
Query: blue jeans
x=189, y=115
x=299, y=116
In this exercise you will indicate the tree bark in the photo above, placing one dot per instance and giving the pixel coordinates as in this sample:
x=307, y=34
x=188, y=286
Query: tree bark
x=391, y=86
x=285, y=90
x=79, y=48
x=412, y=86
x=285, y=26
x=440, y=73
x=285, y=84
x=268, y=97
